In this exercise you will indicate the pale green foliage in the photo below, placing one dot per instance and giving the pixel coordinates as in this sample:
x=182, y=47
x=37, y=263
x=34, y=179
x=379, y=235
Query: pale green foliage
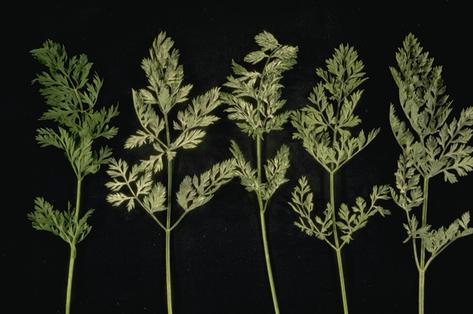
x=165, y=76
x=197, y=191
x=302, y=202
x=162, y=133
x=71, y=93
x=255, y=97
x=354, y=218
x=325, y=126
x=407, y=183
x=431, y=145
x=436, y=241
x=155, y=200
x=243, y=169
x=60, y=223
x=349, y=220
x=137, y=184
x=165, y=90
x=275, y=171
x=254, y=102
x=325, y=129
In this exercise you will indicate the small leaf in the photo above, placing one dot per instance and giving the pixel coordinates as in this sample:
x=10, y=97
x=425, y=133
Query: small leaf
x=255, y=57
x=155, y=200
x=275, y=170
x=197, y=191
x=266, y=41
x=243, y=169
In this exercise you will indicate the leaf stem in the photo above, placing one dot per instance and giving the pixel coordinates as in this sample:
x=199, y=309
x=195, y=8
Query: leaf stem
x=268, y=263
x=168, y=222
x=422, y=264
x=72, y=258
x=152, y=215
x=414, y=248
x=176, y=223
x=330, y=244
x=342, y=280
x=73, y=249
x=78, y=192
x=338, y=249
x=414, y=245
x=265, y=206
x=168, y=272
x=258, y=160
x=263, y=228
x=421, y=290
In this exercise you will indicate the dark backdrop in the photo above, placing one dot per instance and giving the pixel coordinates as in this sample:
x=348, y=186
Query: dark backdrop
x=217, y=259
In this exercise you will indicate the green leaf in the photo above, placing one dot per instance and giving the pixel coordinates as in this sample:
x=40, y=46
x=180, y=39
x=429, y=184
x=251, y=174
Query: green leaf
x=199, y=114
x=243, y=169
x=255, y=57
x=196, y=117
x=71, y=93
x=163, y=133
x=302, y=203
x=355, y=218
x=118, y=198
x=165, y=75
x=439, y=239
x=275, y=171
x=435, y=145
x=136, y=181
x=155, y=200
x=255, y=96
x=150, y=122
x=48, y=137
x=408, y=193
x=266, y=41
x=465, y=220
x=154, y=163
x=197, y=191
x=325, y=125
x=246, y=115
x=139, y=139
x=188, y=140
x=46, y=218
x=83, y=229
x=432, y=143
x=60, y=223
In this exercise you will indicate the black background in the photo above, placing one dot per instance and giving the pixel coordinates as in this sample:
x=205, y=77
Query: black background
x=217, y=259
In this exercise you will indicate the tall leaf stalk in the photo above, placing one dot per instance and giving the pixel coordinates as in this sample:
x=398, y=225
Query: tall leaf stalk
x=139, y=184
x=254, y=101
x=431, y=145
x=325, y=130
x=71, y=94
